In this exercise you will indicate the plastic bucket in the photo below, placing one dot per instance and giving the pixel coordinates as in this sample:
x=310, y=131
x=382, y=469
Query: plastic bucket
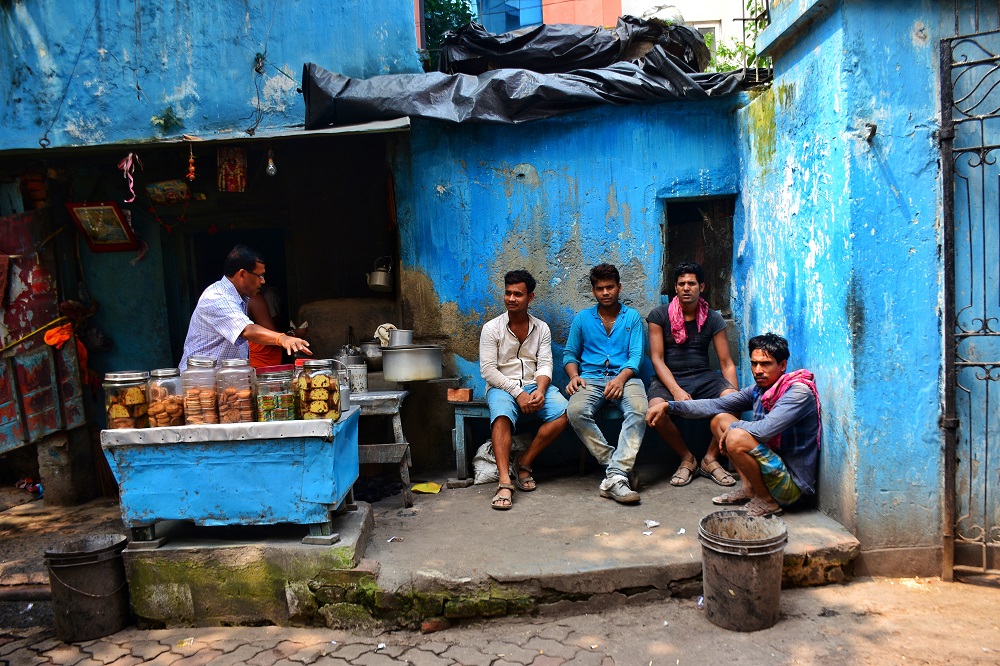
x=741, y=569
x=89, y=590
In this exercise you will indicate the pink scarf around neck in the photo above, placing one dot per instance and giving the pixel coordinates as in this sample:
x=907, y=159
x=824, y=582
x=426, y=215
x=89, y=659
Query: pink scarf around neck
x=771, y=396
x=676, y=315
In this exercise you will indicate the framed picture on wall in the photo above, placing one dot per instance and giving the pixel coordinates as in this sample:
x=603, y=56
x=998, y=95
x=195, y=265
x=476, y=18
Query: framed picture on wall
x=103, y=225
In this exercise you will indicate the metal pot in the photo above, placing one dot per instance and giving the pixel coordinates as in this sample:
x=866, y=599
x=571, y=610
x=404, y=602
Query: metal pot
x=380, y=279
x=350, y=355
x=411, y=363
x=372, y=351
x=399, y=337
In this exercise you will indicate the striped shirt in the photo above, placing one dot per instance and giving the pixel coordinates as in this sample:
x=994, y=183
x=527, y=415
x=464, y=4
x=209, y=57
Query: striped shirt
x=217, y=324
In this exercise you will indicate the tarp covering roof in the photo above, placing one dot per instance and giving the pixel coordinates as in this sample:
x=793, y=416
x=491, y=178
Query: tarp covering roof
x=664, y=72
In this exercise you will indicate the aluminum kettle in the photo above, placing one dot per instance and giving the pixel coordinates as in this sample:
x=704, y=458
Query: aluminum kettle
x=380, y=279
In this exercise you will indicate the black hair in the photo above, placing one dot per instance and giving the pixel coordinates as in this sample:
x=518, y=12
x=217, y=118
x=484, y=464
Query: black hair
x=772, y=344
x=240, y=258
x=604, y=272
x=689, y=268
x=520, y=275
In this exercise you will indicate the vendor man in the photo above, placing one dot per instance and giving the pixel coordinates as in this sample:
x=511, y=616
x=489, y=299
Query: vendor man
x=776, y=453
x=220, y=327
x=515, y=359
x=602, y=360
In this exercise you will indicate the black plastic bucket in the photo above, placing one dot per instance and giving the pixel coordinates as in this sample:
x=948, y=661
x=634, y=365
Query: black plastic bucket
x=89, y=590
x=741, y=569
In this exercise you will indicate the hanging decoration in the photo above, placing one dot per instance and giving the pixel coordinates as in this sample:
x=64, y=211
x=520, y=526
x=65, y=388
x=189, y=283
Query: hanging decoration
x=190, y=173
x=232, y=163
x=271, y=170
x=167, y=192
x=127, y=166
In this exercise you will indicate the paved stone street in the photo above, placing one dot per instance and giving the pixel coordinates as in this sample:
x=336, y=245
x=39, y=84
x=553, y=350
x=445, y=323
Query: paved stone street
x=870, y=621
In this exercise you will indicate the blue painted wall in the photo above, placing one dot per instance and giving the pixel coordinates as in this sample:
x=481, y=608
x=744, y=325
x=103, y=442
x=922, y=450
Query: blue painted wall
x=556, y=197
x=837, y=248
x=78, y=67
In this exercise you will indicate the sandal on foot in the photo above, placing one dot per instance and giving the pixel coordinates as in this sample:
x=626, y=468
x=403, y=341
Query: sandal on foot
x=731, y=499
x=713, y=470
x=525, y=483
x=501, y=503
x=684, y=474
x=758, y=508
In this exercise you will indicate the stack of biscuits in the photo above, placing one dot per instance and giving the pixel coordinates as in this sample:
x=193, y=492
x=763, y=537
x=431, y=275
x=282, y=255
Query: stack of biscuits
x=165, y=409
x=200, y=406
x=235, y=406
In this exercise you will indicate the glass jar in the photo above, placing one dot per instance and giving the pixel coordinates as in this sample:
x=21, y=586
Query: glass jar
x=166, y=398
x=275, y=393
x=125, y=399
x=318, y=390
x=237, y=384
x=200, y=391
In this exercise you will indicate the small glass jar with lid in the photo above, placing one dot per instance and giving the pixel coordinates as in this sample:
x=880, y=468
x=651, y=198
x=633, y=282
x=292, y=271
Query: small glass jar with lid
x=318, y=390
x=166, y=398
x=275, y=393
x=200, y=391
x=125, y=401
x=237, y=382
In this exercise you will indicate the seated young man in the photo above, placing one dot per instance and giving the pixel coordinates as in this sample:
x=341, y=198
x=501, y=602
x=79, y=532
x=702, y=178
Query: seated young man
x=777, y=452
x=515, y=359
x=680, y=334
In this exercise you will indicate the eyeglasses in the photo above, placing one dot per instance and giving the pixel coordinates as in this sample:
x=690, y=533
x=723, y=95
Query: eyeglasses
x=256, y=275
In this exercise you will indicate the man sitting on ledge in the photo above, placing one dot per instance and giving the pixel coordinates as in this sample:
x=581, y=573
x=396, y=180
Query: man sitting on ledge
x=777, y=453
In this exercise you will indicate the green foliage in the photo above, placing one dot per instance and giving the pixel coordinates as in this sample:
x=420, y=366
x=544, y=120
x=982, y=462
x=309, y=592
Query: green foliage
x=735, y=53
x=440, y=16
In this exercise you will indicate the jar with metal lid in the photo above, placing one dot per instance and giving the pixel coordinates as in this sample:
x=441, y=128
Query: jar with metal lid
x=166, y=398
x=200, y=391
x=318, y=390
x=275, y=393
x=237, y=382
x=125, y=400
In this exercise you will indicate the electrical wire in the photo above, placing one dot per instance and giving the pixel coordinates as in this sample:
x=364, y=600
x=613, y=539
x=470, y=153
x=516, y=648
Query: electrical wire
x=45, y=142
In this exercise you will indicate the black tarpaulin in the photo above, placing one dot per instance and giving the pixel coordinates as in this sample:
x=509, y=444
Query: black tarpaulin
x=510, y=95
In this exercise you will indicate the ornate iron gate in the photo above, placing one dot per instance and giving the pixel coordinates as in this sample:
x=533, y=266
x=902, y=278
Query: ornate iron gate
x=970, y=147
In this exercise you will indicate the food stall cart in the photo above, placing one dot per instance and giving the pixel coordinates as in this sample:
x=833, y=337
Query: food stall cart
x=235, y=474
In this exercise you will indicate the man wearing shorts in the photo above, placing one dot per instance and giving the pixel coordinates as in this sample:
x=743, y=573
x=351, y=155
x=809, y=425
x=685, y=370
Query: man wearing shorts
x=776, y=453
x=515, y=359
x=679, y=337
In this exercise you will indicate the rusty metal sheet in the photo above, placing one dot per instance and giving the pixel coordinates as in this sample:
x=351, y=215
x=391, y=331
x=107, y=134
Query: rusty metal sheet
x=36, y=378
x=30, y=299
x=70, y=385
x=12, y=433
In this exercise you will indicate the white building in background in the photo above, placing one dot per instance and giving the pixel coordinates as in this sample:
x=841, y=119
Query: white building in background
x=718, y=18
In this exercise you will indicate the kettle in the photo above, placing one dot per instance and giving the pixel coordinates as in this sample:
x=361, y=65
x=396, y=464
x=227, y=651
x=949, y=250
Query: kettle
x=380, y=279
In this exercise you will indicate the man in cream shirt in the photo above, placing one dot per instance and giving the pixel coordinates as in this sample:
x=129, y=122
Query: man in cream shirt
x=515, y=359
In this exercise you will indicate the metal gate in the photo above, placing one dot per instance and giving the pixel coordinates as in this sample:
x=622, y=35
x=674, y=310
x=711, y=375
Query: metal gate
x=970, y=147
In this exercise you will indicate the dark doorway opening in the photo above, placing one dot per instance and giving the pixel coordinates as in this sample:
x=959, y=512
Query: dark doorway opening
x=701, y=230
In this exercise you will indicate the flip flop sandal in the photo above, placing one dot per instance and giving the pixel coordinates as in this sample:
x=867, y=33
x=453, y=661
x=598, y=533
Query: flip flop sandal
x=685, y=474
x=498, y=502
x=716, y=472
x=757, y=508
x=731, y=499
x=525, y=483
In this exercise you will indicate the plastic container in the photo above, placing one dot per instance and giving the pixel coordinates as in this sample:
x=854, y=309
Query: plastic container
x=166, y=398
x=318, y=390
x=237, y=383
x=125, y=401
x=741, y=560
x=89, y=589
x=275, y=393
x=200, y=383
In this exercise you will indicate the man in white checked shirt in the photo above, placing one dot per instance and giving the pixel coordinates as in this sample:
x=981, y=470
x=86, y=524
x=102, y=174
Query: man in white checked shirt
x=220, y=327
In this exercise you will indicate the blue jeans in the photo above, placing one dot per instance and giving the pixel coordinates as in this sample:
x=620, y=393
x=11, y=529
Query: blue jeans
x=584, y=404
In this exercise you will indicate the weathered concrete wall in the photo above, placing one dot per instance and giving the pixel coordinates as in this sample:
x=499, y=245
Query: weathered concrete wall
x=97, y=73
x=555, y=197
x=837, y=249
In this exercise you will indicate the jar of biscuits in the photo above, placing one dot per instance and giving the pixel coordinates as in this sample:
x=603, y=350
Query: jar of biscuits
x=200, y=391
x=318, y=390
x=275, y=393
x=125, y=399
x=237, y=384
x=166, y=398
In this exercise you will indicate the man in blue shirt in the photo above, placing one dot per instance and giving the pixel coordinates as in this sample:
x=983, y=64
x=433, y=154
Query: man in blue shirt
x=777, y=452
x=602, y=357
